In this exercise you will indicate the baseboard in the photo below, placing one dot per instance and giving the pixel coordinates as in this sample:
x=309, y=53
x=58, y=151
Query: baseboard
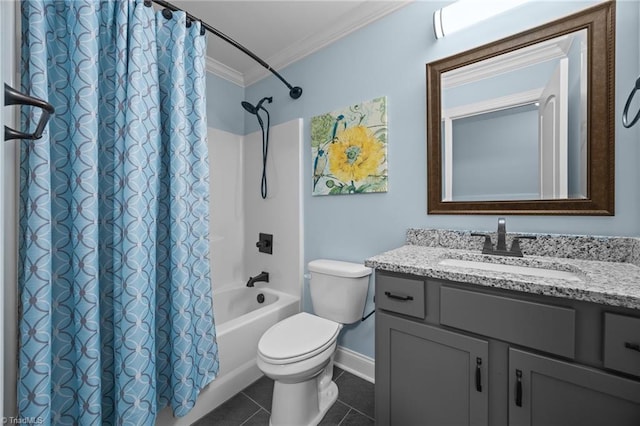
x=355, y=363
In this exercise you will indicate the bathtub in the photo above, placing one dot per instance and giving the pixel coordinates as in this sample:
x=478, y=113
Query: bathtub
x=240, y=322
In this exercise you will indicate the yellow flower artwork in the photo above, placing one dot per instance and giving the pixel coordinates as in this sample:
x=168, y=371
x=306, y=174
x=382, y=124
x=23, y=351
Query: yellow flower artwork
x=349, y=149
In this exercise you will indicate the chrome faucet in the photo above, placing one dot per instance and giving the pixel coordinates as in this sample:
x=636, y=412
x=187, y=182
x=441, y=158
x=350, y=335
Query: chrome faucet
x=263, y=276
x=501, y=245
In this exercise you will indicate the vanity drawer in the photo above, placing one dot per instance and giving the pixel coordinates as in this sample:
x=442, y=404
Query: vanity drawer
x=622, y=343
x=401, y=295
x=535, y=325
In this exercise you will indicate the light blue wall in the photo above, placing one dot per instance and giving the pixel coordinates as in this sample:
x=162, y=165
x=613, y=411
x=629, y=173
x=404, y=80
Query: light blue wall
x=504, y=84
x=223, y=105
x=387, y=58
x=495, y=155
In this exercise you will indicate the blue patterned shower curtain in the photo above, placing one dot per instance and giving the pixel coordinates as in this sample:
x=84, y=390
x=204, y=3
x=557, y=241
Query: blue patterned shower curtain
x=116, y=316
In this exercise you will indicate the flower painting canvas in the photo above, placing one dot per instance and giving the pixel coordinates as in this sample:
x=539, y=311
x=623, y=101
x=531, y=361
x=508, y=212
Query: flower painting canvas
x=349, y=149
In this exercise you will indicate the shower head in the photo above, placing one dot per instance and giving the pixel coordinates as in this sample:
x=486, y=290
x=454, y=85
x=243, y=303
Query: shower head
x=250, y=108
x=254, y=109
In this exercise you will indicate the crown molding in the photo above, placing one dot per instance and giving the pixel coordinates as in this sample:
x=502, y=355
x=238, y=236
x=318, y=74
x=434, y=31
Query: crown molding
x=531, y=55
x=225, y=72
x=350, y=23
x=298, y=50
x=494, y=104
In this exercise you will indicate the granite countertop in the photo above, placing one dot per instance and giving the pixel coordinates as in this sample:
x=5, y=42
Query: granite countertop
x=603, y=282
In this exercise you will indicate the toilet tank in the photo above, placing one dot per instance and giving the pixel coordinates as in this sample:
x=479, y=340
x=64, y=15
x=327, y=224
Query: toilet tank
x=338, y=289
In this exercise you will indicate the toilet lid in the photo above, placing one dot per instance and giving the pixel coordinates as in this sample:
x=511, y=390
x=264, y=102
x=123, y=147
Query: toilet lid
x=298, y=337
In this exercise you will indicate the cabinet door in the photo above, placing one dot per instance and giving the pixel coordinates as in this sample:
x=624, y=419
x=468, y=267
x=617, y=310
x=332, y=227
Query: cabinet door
x=429, y=376
x=548, y=392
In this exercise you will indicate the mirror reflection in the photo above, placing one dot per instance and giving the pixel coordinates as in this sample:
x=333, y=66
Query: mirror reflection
x=526, y=124
x=514, y=126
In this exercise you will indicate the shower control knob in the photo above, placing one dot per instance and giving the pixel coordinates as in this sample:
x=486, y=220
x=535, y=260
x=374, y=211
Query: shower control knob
x=265, y=243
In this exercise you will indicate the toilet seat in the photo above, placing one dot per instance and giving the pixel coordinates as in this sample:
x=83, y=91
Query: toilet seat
x=297, y=338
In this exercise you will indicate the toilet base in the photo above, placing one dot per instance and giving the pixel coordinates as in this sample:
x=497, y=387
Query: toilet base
x=327, y=398
x=304, y=403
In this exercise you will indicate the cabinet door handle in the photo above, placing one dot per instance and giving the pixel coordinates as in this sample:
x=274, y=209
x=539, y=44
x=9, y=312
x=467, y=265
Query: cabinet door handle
x=478, y=374
x=632, y=346
x=395, y=296
x=518, y=388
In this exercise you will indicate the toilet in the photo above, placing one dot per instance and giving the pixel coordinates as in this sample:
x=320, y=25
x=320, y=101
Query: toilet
x=297, y=352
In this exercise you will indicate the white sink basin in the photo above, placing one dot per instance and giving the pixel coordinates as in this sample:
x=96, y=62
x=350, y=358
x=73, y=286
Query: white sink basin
x=513, y=269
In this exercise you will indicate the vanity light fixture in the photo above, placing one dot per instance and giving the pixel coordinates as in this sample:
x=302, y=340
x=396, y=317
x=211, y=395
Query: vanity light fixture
x=465, y=13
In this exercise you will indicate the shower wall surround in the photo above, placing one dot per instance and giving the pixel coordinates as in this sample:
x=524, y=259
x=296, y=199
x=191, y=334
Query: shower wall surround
x=239, y=213
x=280, y=213
x=226, y=207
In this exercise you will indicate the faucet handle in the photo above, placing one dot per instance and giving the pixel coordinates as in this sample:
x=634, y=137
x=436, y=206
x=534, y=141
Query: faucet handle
x=488, y=245
x=526, y=237
x=515, y=244
x=517, y=238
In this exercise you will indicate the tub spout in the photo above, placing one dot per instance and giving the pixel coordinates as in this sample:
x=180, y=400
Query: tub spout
x=264, y=276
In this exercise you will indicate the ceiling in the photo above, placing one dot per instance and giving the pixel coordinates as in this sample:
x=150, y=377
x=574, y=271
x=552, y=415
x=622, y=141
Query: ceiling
x=279, y=32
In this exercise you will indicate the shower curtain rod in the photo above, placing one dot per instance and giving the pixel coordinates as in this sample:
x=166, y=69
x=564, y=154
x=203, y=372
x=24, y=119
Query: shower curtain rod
x=294, y=92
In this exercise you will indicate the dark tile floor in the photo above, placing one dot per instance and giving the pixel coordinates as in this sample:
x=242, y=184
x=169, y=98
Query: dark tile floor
x=252, y=406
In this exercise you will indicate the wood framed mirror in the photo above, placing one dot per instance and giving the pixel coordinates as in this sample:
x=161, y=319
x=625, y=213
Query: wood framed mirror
x=526, y=124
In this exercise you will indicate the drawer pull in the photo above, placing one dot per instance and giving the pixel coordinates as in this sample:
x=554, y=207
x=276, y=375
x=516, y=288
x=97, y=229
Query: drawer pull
x=395, y=296
x=632, y=346
x=518, y=388
x=478, y=374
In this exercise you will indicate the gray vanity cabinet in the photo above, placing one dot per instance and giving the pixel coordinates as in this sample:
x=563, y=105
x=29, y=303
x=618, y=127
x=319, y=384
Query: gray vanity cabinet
x=431, y=376
x=548, y=392
x=459, y=354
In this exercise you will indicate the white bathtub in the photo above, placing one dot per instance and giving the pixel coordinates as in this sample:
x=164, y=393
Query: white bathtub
x=240, y=321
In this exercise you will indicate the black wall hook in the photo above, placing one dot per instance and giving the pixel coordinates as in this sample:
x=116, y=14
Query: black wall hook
x=13, y=97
